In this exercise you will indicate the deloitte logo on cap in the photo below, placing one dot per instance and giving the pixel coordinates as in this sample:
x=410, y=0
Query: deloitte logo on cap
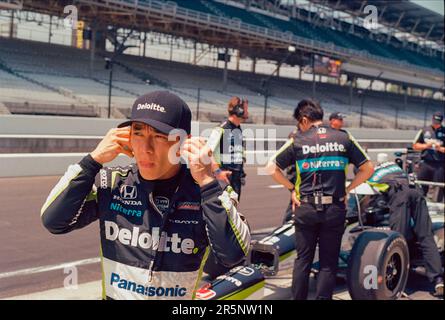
x=151, y=106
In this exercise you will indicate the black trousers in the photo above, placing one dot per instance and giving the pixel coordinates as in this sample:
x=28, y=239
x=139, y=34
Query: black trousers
x=410, y=216
x=235, y=182
x=432, y=171
x=325, y=228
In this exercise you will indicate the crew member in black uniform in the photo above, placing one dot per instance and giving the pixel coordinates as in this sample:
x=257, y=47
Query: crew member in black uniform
x=336, y=120
x=321, y=155
x=229, y=164
x=430, y=140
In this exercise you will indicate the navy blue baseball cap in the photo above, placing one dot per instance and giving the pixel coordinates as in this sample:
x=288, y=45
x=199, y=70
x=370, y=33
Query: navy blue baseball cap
x=337, y=115
x=161, y=110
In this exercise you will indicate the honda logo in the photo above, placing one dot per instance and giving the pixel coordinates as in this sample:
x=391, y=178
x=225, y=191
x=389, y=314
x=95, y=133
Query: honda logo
x=128, y=192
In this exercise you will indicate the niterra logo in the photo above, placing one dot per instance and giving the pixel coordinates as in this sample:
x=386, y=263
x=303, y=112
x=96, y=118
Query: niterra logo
x=324, y=163
x=151, y=106
x=146, y=241
x=128, y=212
x=146, y=291
x=327, y=147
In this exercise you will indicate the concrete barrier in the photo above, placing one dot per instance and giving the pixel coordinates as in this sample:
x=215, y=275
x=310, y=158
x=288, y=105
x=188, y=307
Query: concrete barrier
x=50, y=125
x=26, y=142
x=45, y=164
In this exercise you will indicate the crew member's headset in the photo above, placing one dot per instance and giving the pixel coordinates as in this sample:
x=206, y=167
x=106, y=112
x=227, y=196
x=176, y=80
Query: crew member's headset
x=239, y=110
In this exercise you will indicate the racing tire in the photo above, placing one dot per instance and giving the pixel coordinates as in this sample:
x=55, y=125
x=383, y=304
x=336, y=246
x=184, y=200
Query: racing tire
x=378, y=266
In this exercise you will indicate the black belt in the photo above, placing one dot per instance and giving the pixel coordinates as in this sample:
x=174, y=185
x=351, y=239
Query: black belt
x=322, y=199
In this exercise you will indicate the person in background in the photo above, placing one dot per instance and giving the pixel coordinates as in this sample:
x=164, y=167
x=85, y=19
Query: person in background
x=336, y=120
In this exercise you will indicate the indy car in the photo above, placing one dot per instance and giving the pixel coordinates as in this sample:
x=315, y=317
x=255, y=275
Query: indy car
x=375, y=260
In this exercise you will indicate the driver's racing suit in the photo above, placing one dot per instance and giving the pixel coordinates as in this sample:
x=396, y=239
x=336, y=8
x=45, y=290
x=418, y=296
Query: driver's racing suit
x=145, y=253
x=408, y=212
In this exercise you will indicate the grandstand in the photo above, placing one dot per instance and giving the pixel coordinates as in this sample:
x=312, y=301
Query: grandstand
x=41, y=78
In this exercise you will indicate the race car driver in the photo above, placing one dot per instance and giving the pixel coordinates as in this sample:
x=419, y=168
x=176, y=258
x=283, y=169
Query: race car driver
x=159, y=217
x=431, y=141
x=408, y=214
x=320, y=154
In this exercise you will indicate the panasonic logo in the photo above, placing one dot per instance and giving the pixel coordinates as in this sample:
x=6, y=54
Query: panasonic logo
x=151, y=106
x=327, y=147
x=145, y=240
x=150, y=291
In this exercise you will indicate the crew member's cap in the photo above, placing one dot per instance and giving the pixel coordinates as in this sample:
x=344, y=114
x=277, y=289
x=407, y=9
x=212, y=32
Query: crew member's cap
x=337, y=115
x=161, y=110
x=438, y=117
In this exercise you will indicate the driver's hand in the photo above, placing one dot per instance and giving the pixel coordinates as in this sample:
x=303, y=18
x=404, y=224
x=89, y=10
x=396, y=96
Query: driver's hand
x=224, y=175
x=199, y=159
x=117, y=140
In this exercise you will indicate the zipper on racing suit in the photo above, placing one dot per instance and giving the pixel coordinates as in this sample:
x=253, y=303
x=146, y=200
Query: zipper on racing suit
x=164, y=219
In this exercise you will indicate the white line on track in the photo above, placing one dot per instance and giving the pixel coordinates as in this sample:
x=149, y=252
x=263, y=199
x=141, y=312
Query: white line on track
x=276, y=186
x=29, y=271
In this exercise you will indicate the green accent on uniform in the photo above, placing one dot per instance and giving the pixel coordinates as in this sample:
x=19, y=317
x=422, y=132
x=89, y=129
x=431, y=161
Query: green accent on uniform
x=113, y=176
x=244, y=293
x=243, y=246
x=382, y=187
x=357, y=145
x=283, y=147
x=201, y=268
x=48, y=203
x=238, y=237
x=92, y=196
x=297, y=180
x=286, y=255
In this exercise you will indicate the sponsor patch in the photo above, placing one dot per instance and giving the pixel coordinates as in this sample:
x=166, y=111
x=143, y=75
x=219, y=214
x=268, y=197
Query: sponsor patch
x=150, y=291
x=323, y=164
x=189, y=205
x=205, y=294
